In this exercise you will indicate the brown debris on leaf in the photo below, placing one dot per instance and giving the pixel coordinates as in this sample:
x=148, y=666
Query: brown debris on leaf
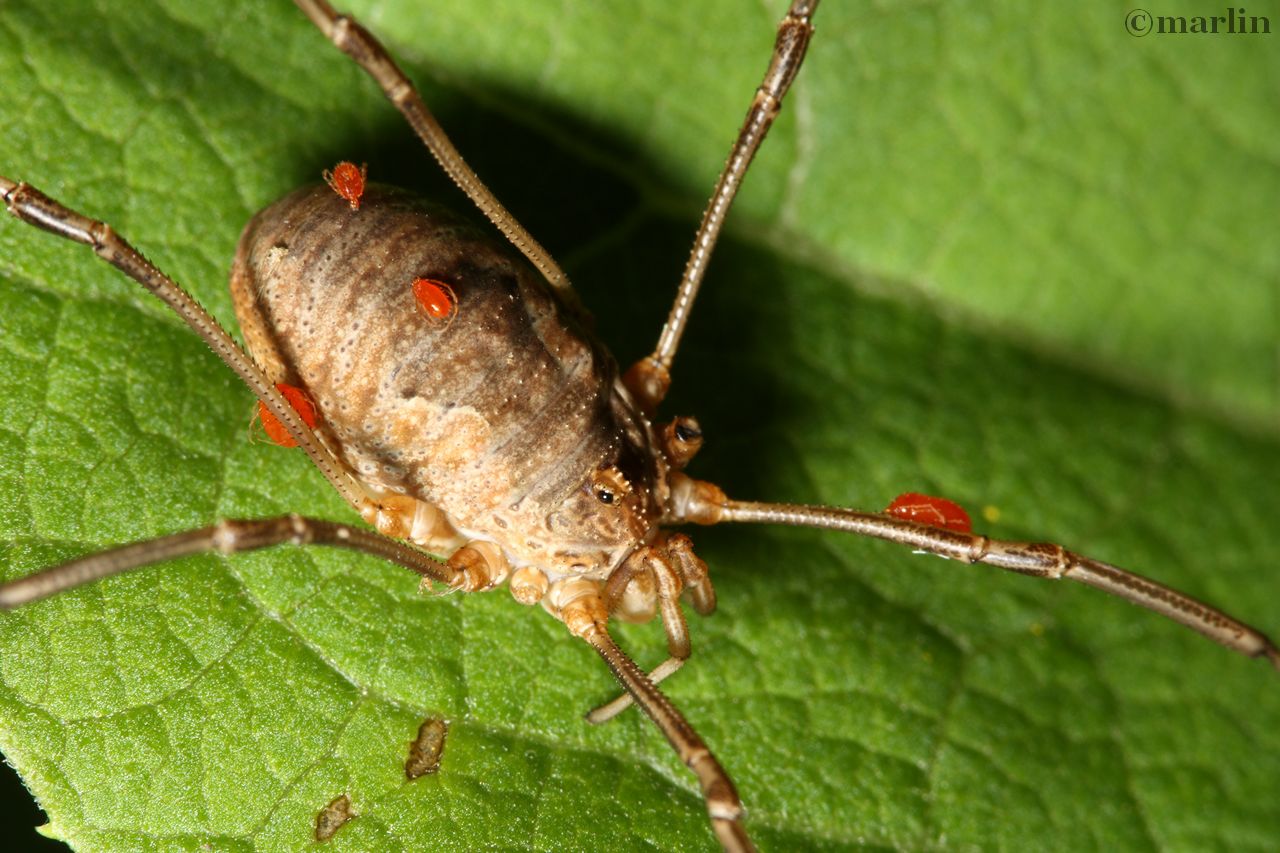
x=426, y=749
x=333, y=817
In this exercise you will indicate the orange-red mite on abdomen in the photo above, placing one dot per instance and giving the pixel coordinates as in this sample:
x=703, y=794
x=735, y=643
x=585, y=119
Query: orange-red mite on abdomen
x=347, y=180
x=435, y=297
x=301, y=404
x=926, y=509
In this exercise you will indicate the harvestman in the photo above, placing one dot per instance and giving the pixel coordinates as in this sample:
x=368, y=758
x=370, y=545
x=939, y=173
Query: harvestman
x=648, y=569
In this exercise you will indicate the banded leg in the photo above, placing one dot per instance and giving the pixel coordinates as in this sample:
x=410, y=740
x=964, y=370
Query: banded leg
x=585, y=615
x=35, y=208
x=650, y=377
x=226, y=537
x=705, y=503
x=358, y=43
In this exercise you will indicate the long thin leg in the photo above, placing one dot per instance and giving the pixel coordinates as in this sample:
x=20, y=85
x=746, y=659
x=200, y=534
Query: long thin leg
x=723, y=804
x=225, y=537
x=1038, y=559
x=358, y=43
x=35, y=208
x=650, y=377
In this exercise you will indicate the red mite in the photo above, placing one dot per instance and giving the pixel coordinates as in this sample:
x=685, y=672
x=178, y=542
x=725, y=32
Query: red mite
x=301, y=404
x=347, y=181
x=925, y=509
x=436, y=298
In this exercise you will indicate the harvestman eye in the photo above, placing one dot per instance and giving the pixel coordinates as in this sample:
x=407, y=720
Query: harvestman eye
x=323, y=339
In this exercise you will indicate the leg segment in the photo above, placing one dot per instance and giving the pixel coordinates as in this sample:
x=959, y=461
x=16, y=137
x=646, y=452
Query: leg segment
x=693, y=571
x=358, y=43
x=1038, y=559
x=35, y=208
x=650, y=377
x=723, y=804
x=689, y=573
x=225, y=537
x=584, y=613
x=669, y=586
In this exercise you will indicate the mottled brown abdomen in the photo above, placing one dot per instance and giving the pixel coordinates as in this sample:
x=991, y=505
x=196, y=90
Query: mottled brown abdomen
x=508, y=404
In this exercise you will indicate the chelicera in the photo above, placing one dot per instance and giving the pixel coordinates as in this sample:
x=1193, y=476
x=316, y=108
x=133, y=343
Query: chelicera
x=617, y=558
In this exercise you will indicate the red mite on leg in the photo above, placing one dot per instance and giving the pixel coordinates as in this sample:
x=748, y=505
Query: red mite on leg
x=926, y=509
x=301, y=404
x=347, y=181
x=436, y=298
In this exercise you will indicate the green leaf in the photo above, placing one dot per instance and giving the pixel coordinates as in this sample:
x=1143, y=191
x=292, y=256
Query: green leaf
x=1011, y=255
